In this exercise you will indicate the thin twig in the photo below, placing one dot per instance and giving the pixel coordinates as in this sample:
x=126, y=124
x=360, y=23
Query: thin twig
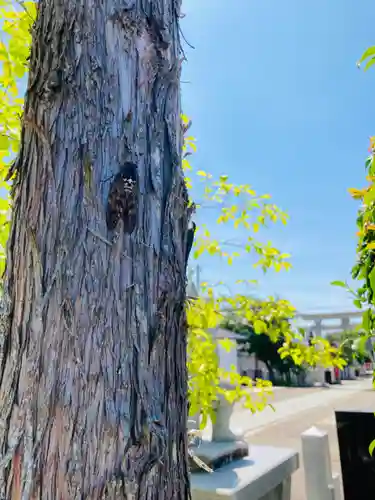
x=22, y=5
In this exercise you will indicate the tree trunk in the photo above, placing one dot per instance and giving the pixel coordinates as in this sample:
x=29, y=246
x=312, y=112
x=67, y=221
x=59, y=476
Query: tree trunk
x=93, y=358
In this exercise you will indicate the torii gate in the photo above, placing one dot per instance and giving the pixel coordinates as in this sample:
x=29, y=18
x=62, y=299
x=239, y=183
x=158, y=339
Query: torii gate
x=344, y=321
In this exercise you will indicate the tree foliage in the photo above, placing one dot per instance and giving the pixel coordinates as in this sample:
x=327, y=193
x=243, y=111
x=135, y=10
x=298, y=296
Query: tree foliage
x=270, y=317
x=354, y=346
x=14, y=51
x=266, y=346
x=363, y=270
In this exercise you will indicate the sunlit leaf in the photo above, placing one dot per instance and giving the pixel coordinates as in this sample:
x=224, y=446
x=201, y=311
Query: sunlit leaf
x=367, y=53
x=339, y=283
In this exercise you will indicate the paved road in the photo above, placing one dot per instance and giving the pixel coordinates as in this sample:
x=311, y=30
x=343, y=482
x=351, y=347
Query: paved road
x=298, y=411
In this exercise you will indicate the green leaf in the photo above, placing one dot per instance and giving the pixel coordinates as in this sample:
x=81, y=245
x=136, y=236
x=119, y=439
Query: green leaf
x=359, y=344
x=260, y=326
x=371, y=448
x=368, y=161
x=357, y=303
x=366, y=320
x=367, y=53
x=372, y=278
x=369, y=63
x=339, y=283
x=227, y=344
x=4, y=142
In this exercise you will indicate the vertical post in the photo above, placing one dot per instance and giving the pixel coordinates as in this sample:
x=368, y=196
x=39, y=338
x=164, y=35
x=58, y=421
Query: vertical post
x=335, y=487
x=317, y=464
x=318, y=327
x=345, y=324
x=286, y=493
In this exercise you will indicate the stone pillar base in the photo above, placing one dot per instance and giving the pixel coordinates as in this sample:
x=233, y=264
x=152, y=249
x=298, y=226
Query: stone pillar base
x=216, y=454
x=263, y=475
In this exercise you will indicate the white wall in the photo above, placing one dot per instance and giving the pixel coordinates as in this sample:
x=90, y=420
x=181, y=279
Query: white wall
x=227, y=359
x=242, y=362
x=248, y=364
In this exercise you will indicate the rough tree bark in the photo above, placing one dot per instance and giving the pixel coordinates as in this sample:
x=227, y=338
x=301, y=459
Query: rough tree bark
x=92, y=341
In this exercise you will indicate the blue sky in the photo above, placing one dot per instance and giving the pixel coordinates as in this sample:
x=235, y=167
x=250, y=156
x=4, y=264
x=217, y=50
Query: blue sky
x=277, y=102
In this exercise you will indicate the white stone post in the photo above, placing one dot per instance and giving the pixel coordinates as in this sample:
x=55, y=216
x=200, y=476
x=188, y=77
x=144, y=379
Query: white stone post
x=335, y=487
x=317, y=464
x=221, y=430
x=320, y=375
x=318, y=330
x=194, y=421
x=345, y=324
